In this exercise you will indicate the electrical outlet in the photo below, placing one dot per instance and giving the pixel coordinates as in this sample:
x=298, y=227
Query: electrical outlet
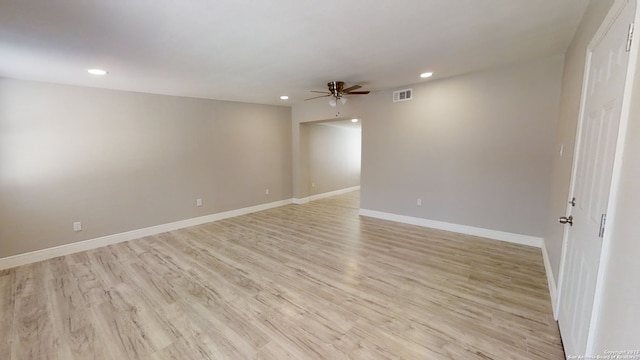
x=419, y=202
x=77, y=226
x=198, y=202
x=266, y=191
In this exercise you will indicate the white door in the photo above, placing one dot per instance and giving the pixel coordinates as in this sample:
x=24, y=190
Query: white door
x=592, y=171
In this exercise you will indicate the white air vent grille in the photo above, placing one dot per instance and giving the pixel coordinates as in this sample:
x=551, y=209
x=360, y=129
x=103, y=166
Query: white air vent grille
x=402, y=95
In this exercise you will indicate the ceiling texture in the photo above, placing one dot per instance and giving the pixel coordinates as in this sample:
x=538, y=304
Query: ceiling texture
x=255, y=51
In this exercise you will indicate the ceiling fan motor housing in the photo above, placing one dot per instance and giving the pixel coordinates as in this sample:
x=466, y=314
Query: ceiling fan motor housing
x=336, y=87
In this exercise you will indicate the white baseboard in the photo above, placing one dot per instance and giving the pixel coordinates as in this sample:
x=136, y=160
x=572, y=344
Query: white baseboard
x=324, y=195
x=334, y=193
x=462, y=229
x=553, y=290
x=45, y=254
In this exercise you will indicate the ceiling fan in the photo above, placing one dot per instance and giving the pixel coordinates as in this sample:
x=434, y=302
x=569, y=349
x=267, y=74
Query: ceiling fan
x=337, y=90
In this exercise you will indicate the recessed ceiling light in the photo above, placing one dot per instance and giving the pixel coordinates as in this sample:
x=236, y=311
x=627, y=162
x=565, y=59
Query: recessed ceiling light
x=354, y=120
x=426, y=75
x=97, y=72
x=284, y=97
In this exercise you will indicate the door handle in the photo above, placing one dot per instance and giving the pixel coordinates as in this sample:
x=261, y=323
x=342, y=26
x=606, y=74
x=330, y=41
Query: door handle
x=566, y=220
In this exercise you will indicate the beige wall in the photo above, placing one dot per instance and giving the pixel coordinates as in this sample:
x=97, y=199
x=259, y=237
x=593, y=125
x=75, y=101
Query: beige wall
x=569, y=108
x=334, y=157
x=475, y=148
x=314, y=111
x=118, y=161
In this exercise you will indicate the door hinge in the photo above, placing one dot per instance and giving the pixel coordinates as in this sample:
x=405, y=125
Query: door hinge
x=629, y=37
x=603, y=220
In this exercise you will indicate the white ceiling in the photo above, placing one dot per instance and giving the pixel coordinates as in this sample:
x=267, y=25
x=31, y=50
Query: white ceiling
x=255, y=51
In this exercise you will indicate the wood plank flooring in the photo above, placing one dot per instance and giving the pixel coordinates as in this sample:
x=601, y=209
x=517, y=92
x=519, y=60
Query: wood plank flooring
x=311, y=281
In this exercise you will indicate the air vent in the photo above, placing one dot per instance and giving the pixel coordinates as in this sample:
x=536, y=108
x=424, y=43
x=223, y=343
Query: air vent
x=402, y=95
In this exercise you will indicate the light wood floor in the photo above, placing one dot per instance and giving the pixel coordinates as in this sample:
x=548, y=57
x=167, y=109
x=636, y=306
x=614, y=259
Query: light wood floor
x=298, y=282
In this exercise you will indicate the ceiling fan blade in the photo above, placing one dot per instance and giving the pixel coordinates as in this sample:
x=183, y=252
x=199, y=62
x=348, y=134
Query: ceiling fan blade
x=321, y=92
x=316, y=97
x=358, y=93
x=350, y=88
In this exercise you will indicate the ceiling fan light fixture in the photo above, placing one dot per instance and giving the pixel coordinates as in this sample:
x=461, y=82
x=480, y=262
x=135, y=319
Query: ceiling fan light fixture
x=333, y=103
x=98, y=72
x=343, y=101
